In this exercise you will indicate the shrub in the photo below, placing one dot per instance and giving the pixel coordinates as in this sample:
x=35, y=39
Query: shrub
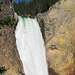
x=3, y=70
x=8, y=20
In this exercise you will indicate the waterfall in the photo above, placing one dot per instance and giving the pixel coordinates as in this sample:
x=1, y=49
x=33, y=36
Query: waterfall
x=31, y=47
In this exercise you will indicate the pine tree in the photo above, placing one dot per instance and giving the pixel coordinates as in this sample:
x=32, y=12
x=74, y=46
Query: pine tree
x=32, y=7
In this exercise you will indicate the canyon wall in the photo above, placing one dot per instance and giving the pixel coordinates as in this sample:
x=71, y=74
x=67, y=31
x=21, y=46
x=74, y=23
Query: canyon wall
x=59, y=28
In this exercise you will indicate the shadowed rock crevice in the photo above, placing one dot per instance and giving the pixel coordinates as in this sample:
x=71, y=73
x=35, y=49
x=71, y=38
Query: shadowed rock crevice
x=52, y=72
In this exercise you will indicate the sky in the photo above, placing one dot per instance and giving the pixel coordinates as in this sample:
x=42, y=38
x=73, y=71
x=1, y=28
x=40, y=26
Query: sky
x=20, y=0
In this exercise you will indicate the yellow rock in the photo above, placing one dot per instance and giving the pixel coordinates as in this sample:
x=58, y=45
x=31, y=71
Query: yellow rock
x=60, y=37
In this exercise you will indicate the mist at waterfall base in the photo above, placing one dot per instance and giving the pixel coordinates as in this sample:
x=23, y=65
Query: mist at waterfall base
x=30, y=46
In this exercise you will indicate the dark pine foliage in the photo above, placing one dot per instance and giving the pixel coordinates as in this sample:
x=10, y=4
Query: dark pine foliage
x=8, y=21
x=3, y=70
x=33, y=7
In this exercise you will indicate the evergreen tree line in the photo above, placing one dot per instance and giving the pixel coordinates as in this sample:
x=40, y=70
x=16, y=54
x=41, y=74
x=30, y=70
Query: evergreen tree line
x=32, y=7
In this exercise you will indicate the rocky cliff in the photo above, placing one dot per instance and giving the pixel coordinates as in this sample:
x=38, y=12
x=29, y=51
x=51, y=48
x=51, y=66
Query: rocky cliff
x=6, y=8
x=8, y=53
x=59, y=28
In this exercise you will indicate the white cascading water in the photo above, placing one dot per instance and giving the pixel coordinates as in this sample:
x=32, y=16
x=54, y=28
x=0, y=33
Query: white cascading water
x=30, y=46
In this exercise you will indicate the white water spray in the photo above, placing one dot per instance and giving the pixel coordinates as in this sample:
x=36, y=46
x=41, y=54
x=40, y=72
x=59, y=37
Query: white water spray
x=30, y=46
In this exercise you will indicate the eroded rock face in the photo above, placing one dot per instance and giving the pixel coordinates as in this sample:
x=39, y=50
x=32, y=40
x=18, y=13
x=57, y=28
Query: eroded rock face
x=6, y=8
x=60, y=37
x=8, y=53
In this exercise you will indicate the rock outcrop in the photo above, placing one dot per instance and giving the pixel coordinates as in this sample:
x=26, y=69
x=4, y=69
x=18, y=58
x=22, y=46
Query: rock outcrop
x=8, y=53
x=60, y=37
x=6, y=8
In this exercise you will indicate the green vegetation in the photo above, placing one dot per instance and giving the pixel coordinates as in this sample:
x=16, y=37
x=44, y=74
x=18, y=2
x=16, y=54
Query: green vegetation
x=33, y=6
x=3, y=70
x=8, y=21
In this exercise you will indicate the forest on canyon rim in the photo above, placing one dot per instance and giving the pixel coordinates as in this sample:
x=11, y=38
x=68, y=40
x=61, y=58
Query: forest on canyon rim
x=32, y=7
